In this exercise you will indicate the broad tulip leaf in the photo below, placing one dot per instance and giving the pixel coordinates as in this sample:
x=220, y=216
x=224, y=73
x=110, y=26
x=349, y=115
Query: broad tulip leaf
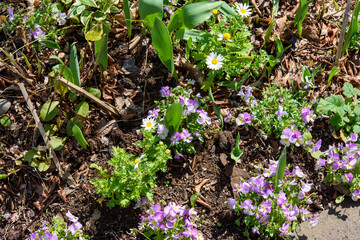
x=102, y=50
x=74, y=65
x=48, y=111
x=173, y=117
x=126, y=8
x=79, y=136
x=149, y=9
x=82, y=109
x=280, y=171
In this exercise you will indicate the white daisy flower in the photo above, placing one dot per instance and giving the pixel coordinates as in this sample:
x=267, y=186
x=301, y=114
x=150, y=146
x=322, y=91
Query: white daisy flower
x=137, y=161
x=243, y=9
x=225, y=36
x=148, y=123
x=214, y=61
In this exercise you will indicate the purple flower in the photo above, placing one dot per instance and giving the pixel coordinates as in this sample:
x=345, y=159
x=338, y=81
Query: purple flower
x=75, y=227
x=197, y=134
x=154, y=113
x=281, y=100
x=175, y=138
x=314, y=220
x=166, y=8
x=178, y=156
x=203, y=117
x=347, y=177
x=231, y=203
x=11, y=14
x=243, y=188
x=35, y=235
x=305, y=214
x=72, y=217
x=297, y=139
x=320, y=163
x=355, y=195
x=243, y=119
x=50, y=236
x=280, y=112
x=247, y=206
x=228, y=116
x=255, y=230
x=25, y=19
x=141, y=202
x=162, y=131
x=286, y=136
x=354, y=137
x=165, y=91
x=285, y=230
x=317, y=146
x=186, y=136
x=192, y=105
x=38, y=34
x=308, y=82
x=292, y=214
x=172, y=209
x=156, y=208
x=265, y=207
x=305, y=187
x=297, y=172
x=308, y=115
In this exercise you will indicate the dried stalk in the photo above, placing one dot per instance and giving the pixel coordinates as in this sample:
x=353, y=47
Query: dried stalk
x=342, y=33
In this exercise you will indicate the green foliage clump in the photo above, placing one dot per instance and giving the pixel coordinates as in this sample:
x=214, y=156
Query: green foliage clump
x=344, y=112
x=131, y=177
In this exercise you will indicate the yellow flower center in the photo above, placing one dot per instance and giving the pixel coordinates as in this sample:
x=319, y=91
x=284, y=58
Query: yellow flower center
x=137, y=160
x=214, y=61
x=242, y=10
x=215, y=11
x=148, y=124
x=226, y=36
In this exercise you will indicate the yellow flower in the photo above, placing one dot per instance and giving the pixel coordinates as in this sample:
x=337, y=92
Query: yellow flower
x=215, y=11
x=225, y=36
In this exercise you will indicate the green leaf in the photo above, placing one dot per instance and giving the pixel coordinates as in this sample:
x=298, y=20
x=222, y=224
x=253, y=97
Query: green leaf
x=82, y=109
x=36, y=159
x=334, y=103
x=280, y=48
x=71, y=123
x=79, y=136
x=150, y=9
x=74, y=65
x=317, y=154
x=99, y=16
x=353, y=29
x=236, y=153
x=173, y=116
x=349, y=91
x=194, y=34
x=356, y=128
x=332, y=74
x=50, y=129
x=48, y=111
x=194, y=198
x=5, y=121
x=275, y=8
x=301, y=14
x=85, y=17
x=3, y=176
x=126, y=8
x=90, y=3
x=50, y=44
x=188, y=48
x=339, y=199
x=76, y=9
x=57, y=143
x=94, y=91
x=226, y=10
x=95, y=33
x=103, y=51
x=162, y=44
x=268, y=32
x=192, y=15
x=280, y=171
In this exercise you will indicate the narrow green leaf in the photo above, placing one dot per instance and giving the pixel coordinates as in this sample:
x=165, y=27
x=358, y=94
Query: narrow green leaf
x=79, y=136
x=334, y=70
x=301, y=14
x=194, y=34
x=71, y=123
x=268, y=32
x=173, y=117
x=126, y=8
x=193, y=199
x=227, y=10
x=188, y=48
x=74, y=65
x=236, y=153
x=50, y=44
x=162, y=44
x=280, y=48
x=48, y=111
x=353, y=29
x=103, y=58
x=280, y=171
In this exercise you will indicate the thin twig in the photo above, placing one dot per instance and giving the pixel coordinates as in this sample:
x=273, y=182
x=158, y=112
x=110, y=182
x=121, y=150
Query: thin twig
x=40, y=127
x=256, y=8
x=342, y=33
x=85, y=93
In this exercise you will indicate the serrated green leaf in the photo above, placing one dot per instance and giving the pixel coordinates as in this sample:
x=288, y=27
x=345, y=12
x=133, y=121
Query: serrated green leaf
x=333, y=103
x=173, y=117
x=82, y=109
x=48, y=111
x=79, y=136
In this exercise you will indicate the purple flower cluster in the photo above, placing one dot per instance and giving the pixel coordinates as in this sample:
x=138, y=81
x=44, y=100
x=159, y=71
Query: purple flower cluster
x=247, y=94
x=185, y=136
x=172, y=222
x=38, y=34
x=259, y=200
x=59, y=231
x=165, y=91
x=340, y=163
x=308, y=115
x=291, y=135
